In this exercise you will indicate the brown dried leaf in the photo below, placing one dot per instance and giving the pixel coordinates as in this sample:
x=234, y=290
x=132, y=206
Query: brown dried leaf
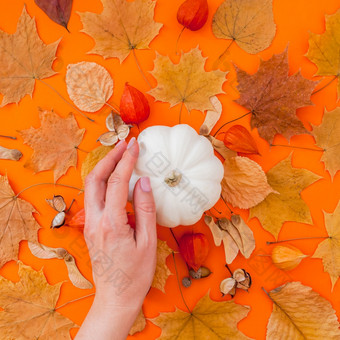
x=211, y=117
x=16, y=222
x=10, y=154
x=273, y=97
x=54, y=143
x=30, y=305
x=23, y=59
x=57, y=203
x=139, y=323
x=250, y=23
x=244, y=184
x=121, y=27
x=301, y=313
x=89, y=85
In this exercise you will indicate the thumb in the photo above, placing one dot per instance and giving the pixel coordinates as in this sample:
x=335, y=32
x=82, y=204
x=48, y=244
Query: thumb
x=145, y=211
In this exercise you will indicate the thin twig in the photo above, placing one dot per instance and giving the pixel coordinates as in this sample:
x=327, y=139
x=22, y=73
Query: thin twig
x=65, y=304
x=180, y=113
x=298, y=147
x=37, y=184
x=69, y=208
x=231, y=121
x=231, y=273
x=140, y=68
x=179, y=284
x=174, y=236
x=112, y=107
x=226, y=50
x=66, y=101
x=178, y=39
x=226, y=204
x=78, y=148
x=326, y=85
x=297, y=239
x=10, y=137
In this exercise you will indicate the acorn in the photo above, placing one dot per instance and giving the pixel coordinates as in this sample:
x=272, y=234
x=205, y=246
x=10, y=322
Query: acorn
x=287, y=257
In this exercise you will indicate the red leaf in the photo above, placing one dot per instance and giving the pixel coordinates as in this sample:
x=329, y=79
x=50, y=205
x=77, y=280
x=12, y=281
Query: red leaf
x=134, y=107
x=58, y=10
x=194, y=248
x=193, y=14
x=238, y=138
x=77, y=220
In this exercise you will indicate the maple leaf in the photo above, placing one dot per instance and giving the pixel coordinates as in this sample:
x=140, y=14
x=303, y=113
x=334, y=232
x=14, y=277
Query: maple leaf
x=139, y=323
x=121, y=27
x=23, y=59
x=208, y=320
x=272, y=97
x=16, y=222
x=29, y=308
x=162, y=271
x=324, y=49
x=186, y=82
x=54, y=143
x=244, y=184
x=301, y=313
x=250, y=23
x=329, y=249
x=57, y=10
x=327, y=137
x=286, y=204
x=89, y=85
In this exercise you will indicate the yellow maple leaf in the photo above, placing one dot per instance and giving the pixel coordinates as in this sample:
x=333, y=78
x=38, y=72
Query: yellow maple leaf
x=286, y=204
x=55, y=143
x=299, y=313
x=23, y=59
x=186, y=82
x=208, y=320
x=162, y=271
x=16, y=222
x=249, y=23
x=121, y=27
x=329, y=249
x=139, y=323
x=29, y=308
x=244, y=184
x=327, y=137
x=324, y=49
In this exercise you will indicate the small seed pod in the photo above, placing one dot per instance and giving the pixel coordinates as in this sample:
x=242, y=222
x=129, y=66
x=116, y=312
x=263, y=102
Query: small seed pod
x=58, y=220
x=57, y=203
x=287, y=257
x=186, y=282
x=195, y=274
x=228, y=286
x=242, y=278
x=205, y=272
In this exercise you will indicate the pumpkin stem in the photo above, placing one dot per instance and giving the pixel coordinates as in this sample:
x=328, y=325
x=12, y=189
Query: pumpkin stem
x=173, y=178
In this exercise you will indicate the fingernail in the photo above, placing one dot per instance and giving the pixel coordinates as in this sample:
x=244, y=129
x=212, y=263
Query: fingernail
x=121, y=142
x=145, y=184
x=132, y=141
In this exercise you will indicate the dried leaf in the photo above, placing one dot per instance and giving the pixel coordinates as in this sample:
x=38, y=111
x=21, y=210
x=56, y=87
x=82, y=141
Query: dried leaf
x=23, y=59
x=324, y=49
x=208, y=320
x=10, y=154
x=239, y=139
x=327, y=137
x=89, y=85
x=219, y=147
x=16, y=222
x=211, y=117
x=132, y=28
x=301, y=313
x=92, y=159
x=162, y=271
x=30, y=305
x=57, y=203
x=244, y=184
x=44, y=252
x=273, y=97
x=139, y=323
x=285, y=204
x=54, y=143
x=329, y=249
x=186, y=82
x=248, y=22
x=57, y=10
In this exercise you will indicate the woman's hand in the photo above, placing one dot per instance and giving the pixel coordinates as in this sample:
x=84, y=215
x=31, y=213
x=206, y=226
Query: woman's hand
x=123, y=259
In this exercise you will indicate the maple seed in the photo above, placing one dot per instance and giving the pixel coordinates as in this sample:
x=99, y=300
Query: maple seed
x=134, y=107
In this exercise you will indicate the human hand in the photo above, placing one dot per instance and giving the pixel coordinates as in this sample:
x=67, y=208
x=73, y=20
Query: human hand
x=123, y=259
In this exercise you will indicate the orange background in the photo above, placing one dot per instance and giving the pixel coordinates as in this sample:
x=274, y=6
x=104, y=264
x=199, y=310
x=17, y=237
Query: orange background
x=294, y=20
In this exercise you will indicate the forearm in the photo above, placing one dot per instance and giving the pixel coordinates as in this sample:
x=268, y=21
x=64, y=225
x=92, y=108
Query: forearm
x=106, y=323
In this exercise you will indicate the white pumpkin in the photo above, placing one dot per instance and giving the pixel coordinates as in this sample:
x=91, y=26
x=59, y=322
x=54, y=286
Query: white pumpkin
x=185, y=174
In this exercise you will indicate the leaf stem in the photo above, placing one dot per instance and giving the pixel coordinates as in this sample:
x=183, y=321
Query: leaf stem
x=69, y=208
x=226, y=50
x=297, y=239
x=174, y=236
x=298, y=147
x=180, y=112
x=140, y=68
x=179, y=284
x=112, y=107
x=226, y=204
x=66, y=101
x=231, y=121
x=176, y=48
x=65, y=304
x=326, y=85
x=37, y=184
x=78, y=148
x=231, y=273
x=10, y=137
